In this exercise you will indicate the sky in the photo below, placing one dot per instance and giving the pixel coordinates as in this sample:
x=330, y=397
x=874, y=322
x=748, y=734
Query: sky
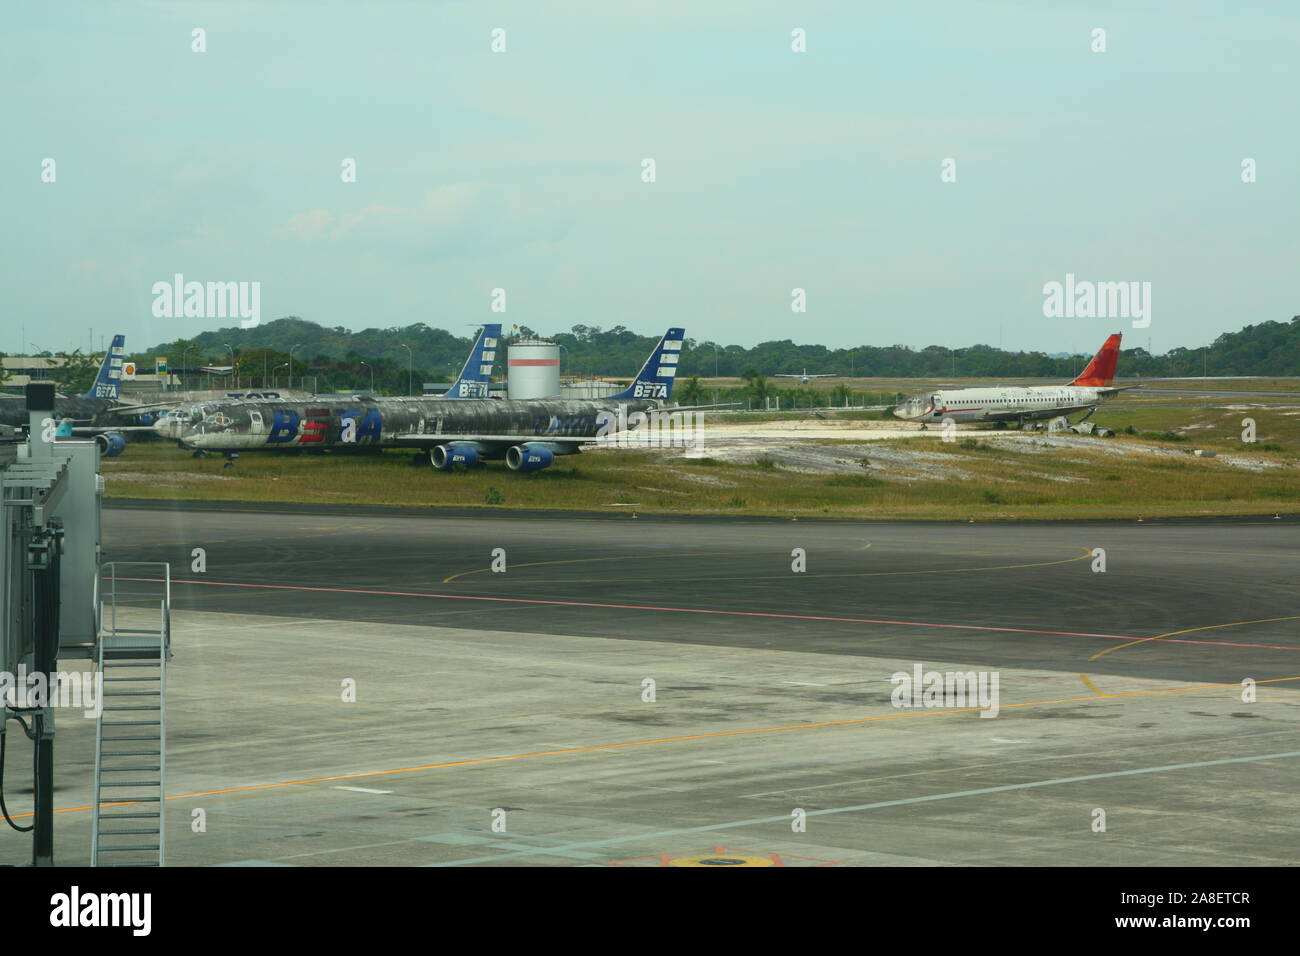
x=775, y=170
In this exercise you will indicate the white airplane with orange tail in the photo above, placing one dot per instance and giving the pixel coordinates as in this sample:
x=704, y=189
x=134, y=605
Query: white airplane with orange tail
x=1021, y=403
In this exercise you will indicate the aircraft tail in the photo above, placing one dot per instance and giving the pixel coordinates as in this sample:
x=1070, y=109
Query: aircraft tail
x=655, y=380
x=1100, y=372
x=108, y=383
x=477, y=373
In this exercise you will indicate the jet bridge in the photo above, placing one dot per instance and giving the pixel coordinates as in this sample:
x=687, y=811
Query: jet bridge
x=50, y=494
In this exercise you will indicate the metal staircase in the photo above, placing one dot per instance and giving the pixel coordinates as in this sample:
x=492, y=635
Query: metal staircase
x=133, y=606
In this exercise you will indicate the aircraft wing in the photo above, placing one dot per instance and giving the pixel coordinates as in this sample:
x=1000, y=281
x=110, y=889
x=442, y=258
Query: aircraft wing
x=100, y=429
x=417, y=440
x=134, y=409
x=1008, y=415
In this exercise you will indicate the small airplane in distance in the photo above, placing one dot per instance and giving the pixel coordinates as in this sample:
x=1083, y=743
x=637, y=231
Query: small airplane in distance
x=1021, y=403
x=803, y=376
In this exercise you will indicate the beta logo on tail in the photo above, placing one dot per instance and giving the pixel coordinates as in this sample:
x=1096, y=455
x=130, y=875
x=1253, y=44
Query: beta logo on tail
x=108, y=383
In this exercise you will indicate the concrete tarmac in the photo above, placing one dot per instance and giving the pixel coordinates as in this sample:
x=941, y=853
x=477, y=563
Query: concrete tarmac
x=669, y=692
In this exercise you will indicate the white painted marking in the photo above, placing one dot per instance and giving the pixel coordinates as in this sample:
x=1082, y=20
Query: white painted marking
x=712, y=827
x=803, y=683
x=362, y=790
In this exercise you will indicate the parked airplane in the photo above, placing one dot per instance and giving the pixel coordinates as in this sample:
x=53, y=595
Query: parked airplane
x=1021, y=403
x=473, y=381
x=100, y=406
x=804, y=376
x=527, y=434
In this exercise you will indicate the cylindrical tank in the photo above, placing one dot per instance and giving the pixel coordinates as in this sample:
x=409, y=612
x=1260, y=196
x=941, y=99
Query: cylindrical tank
x=533, y=369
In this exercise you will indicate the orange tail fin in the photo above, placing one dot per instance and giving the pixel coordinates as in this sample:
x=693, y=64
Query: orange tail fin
x=1101, y=370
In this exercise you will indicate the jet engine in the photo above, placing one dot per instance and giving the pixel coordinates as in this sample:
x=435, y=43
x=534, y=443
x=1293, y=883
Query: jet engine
x=111, y=444
x=530, y=456
x=446, y=457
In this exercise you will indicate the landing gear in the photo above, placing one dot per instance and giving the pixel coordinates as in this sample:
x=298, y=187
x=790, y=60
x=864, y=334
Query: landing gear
x=199, y=453
x=1087, y=416
x=924, y=428
x=231, y=458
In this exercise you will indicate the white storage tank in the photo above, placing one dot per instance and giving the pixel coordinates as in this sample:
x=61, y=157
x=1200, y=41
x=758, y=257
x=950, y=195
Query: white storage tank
x=533, y=369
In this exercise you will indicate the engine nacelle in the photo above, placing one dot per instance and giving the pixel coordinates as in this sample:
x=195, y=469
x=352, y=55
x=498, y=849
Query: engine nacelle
x=530, y=456
x=111, y=444
x=446, y=457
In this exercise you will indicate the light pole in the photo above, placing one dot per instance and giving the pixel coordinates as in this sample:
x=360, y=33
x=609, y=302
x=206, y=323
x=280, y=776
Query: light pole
x=233, y=369
x=291, y=348
x=184, y=361
x=410, y=367
x=372, y=376
x=275, y=374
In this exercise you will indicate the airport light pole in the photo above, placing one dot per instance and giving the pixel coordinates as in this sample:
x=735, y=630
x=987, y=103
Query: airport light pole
x=372, y=376
x=291, y=348
x=275, y=374
x=233, y=370
x=410, y=368
x=184, y=361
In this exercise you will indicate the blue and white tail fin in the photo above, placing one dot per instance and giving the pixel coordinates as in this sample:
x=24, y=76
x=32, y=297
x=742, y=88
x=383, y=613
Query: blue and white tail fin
x=477, y=373
x=108, y=383
x=655, y=380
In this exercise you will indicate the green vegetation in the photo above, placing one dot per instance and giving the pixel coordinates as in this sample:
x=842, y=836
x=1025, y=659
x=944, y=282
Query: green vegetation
x=988, y=479
x=77, y=371
x=334, y=356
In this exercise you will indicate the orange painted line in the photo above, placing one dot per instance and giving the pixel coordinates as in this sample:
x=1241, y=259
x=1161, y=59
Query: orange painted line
x=1192, y=630
x=715, y=735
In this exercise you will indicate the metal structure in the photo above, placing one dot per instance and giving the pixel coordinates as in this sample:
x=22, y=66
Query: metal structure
x=533, y=370
x=50, y=611
x=49, y=549
x=134, y=612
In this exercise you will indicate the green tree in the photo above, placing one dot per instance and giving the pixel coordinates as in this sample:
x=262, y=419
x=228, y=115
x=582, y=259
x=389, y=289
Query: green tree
x=75, y=374
x=691, y=391
x=758, y=387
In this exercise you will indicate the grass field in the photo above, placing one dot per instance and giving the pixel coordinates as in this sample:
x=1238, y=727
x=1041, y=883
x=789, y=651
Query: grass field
x=1150, y=473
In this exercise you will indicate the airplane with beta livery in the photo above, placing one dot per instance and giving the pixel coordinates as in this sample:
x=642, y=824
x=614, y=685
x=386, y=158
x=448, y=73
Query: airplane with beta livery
x=99, y=413
x=527, y=434
x=473, y=382
x=1021, y=403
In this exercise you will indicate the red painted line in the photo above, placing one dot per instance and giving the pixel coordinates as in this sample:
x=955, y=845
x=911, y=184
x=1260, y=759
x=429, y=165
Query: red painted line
x=699, y=610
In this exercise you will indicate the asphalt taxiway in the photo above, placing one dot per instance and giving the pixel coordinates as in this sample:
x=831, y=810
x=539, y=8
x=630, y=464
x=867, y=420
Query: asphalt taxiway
x=670, y=692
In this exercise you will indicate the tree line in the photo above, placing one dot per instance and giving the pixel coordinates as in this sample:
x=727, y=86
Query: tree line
x=395, y=359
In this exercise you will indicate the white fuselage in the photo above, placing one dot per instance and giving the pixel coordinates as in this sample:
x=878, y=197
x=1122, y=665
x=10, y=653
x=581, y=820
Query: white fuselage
x=1001, y=403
